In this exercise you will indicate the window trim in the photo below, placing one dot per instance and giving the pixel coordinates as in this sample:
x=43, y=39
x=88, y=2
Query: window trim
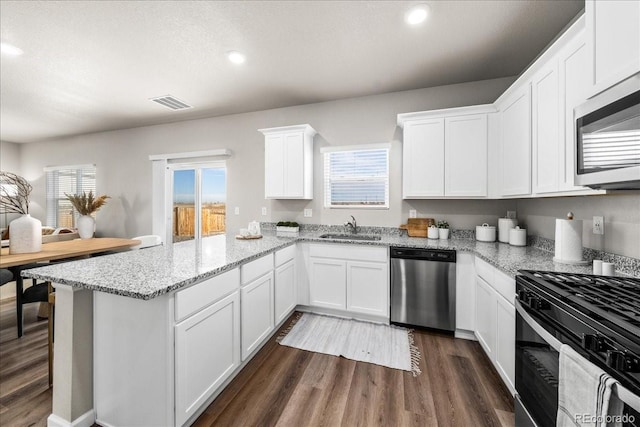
x=362, y=147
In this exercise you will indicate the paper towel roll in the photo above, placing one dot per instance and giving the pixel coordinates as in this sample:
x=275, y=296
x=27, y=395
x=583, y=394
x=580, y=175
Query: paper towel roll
x=568, y=241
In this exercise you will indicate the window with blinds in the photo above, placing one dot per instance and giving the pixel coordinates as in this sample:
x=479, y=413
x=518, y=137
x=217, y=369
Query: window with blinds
x=70, y=180
x=356, y=178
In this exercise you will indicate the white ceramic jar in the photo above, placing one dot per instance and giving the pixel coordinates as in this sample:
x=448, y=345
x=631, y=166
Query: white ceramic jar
x=486, y=233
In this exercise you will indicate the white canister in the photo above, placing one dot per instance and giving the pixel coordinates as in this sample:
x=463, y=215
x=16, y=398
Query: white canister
x=433, y=233
x=254, y=228
x=486, y=233
x=518, y=236
x=504, y=225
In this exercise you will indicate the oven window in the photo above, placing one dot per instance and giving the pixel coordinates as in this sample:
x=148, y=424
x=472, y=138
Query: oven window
x=536, y=374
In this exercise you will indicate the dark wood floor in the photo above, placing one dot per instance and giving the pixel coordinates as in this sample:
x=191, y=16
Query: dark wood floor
x=284, y=386
x=25, y=396
x=289, y=387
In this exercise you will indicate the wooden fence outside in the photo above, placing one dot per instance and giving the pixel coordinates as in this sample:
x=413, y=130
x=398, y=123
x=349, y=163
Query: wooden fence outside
x=213, y=220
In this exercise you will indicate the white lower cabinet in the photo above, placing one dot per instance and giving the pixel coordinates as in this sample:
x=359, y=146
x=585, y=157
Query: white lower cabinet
x=495, y=319
x=350, y=278
x=285, y=290
x=257, y=313
x=367, y=290
x=207, y=351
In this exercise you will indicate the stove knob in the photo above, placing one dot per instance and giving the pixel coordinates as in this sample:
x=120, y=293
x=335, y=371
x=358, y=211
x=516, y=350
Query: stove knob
x=591, y=342
x=522, y=295
x=534, y=302
x=616, y=360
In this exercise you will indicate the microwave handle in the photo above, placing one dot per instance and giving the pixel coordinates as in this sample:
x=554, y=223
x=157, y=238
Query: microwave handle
x=549, y=339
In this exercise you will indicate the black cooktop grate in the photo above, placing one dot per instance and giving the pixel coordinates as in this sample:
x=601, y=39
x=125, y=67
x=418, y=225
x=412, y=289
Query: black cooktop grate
x=613, y=299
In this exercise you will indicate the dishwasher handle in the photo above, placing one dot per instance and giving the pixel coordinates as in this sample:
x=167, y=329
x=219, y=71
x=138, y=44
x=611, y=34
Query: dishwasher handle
x=441, y=255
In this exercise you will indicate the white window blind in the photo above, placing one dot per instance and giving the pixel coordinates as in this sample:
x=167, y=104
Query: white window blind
x=70, y=180
x=357, y=178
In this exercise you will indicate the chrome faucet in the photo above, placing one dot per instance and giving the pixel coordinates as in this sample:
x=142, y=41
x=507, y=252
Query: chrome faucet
x=352, y=224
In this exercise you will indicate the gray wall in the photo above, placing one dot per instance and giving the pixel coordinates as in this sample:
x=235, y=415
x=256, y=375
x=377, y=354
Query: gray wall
x=124, y=170
x=9, y=162
x=621, y=213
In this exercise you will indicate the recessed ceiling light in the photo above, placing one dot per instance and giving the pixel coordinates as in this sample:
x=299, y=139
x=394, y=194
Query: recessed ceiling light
x=9, y=49
x=417, y=14
x=236, y=57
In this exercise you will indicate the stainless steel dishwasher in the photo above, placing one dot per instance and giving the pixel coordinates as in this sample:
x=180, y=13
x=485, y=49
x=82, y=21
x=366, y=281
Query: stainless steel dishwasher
x=423, y=288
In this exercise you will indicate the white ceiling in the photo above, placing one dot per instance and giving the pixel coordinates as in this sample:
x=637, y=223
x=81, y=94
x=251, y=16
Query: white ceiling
x=93, y=65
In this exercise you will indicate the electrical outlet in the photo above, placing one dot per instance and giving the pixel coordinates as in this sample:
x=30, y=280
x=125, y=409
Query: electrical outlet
x=237, y=210
x=308, y=213
x=264, y=211
x=413, y=213
x=598, y=225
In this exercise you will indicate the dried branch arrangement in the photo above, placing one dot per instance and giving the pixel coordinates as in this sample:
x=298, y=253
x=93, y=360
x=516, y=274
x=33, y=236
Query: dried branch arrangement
x=86, y=204
x=14, y=193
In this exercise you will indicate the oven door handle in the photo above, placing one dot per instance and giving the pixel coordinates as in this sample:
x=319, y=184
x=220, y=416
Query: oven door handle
x=549, y=339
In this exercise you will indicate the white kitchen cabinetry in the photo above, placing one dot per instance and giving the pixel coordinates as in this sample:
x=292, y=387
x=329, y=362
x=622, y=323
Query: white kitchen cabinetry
x=285, y=283
x=257, y=303
x=465, y=295
x=349, y=279
x=288, y=169
x=613, y=41
x=515, y=142
x=207, y=352
x=445, y=152
x=495, y=319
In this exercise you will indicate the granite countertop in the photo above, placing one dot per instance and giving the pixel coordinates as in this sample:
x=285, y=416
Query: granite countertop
x=150, y=272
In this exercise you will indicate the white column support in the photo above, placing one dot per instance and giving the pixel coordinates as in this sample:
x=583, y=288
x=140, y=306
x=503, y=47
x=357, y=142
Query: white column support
x=73, y=358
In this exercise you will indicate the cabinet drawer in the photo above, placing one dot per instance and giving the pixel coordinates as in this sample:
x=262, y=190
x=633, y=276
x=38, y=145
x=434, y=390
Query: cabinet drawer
x=485, y=270
x=198, y=296
x=505, y=285
x=254, y=269
x=349, y=251
x=285, y=254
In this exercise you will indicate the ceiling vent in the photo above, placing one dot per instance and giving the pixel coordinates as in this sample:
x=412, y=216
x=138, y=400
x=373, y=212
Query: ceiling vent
x=171, y=102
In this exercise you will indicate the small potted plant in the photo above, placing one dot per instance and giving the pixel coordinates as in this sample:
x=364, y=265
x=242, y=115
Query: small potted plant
x=443, y=229
x=86, y=205
x=287, y=229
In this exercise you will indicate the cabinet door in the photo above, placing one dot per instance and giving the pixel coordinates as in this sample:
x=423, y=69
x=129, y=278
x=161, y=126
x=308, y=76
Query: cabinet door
x=515, y=144
x=613, y=37
x=328, y=286
x=547, y=150
x=207, y=351
x=486, y=317
x=285, y=290
x=423, y=159
x=466, y=156
x=294, y=165
x=274, y=166
x=257, y=313
x=368, y=288
x=465, y=292
x=506, y=341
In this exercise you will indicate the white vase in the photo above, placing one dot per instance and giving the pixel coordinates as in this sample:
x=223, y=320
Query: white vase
x=25, y=235
x=86, y=226
x=443, y=233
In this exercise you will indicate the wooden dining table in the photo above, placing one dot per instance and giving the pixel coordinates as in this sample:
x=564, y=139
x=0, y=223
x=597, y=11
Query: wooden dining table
x=56, y=251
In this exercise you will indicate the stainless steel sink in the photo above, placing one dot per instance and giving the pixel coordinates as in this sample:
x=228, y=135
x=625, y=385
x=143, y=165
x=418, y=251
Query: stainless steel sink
x=369, y=237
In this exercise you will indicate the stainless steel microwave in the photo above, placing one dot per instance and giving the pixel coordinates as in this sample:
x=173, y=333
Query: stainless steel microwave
x=608, y=138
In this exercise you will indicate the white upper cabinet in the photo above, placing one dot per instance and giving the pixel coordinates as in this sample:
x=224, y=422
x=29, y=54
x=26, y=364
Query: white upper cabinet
x=288, y=169
x=466, y=156
x=423, y=159
x=613, y=41
x=515, y=143
x=445, y=153
x=546, y=142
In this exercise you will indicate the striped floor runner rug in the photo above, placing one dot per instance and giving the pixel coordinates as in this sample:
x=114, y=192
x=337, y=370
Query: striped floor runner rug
x=385, y=345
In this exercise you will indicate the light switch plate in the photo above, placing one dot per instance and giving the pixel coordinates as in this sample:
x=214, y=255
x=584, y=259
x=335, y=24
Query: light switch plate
x=264, y=211
x=598, y=225
x=237, y=210
x=413, y=213
x=308, y=213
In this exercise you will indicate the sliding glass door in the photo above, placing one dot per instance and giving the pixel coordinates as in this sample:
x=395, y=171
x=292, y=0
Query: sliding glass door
x=199, y=200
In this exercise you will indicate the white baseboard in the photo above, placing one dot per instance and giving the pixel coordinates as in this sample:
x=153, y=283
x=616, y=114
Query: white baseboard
x=465, y=335
x=85, y=420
